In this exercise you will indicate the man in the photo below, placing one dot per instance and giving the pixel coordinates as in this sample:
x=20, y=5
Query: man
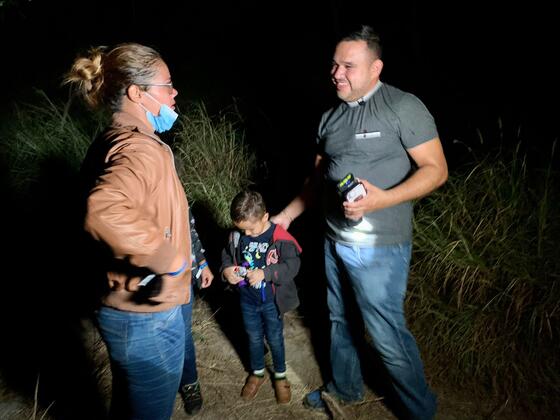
x=374, y=133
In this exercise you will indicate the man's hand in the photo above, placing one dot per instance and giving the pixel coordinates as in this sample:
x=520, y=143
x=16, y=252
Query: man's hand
x=430, y=174
x=282, y=219
x=374, y=200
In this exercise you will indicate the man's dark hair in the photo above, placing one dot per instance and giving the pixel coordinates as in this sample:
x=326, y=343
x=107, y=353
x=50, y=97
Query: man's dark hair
x=367, y=34
x=247, y=205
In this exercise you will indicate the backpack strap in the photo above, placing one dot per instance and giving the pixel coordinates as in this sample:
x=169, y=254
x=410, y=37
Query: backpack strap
x=235, y=236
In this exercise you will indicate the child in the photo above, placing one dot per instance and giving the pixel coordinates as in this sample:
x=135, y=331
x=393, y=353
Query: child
x=263, y=262
x=202, y=276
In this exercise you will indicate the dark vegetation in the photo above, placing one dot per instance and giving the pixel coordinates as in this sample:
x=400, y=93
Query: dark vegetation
x=483, y=296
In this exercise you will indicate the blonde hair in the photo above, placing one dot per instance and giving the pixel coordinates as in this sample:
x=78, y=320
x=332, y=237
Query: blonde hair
x=103, y=75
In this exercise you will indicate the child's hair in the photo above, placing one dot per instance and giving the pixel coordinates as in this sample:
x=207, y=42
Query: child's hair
x=247, y=205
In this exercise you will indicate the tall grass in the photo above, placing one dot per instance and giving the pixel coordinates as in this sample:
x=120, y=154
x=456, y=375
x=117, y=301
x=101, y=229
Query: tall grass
x=44, y=132
x=484, y=290
x=485, y=280
x=211, y=156
x=215, y=161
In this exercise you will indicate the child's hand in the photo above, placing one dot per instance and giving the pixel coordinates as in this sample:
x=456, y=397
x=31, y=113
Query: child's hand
x=231, y=275
x=207, y=277
x=255, y=276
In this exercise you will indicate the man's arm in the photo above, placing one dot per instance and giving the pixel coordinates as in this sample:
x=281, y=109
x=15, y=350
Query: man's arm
x=430, y=175
x=299, y=204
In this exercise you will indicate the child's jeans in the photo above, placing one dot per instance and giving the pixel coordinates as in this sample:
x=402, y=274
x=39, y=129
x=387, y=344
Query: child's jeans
x=263, y=320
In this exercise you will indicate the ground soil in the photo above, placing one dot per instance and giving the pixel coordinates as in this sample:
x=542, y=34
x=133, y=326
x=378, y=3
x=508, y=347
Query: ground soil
x=222, y=373
x=221, y=360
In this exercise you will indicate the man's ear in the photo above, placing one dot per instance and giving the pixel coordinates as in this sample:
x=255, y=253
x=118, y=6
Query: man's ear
x=377, y=66
x=134, y=93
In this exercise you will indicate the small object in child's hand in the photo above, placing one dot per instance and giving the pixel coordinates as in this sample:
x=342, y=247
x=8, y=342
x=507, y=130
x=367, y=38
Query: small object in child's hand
x=240, y=271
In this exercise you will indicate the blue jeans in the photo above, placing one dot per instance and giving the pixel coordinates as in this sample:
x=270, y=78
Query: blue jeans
x=377, y=276
x=190, y=374
x=146, y=352
x=260, y=320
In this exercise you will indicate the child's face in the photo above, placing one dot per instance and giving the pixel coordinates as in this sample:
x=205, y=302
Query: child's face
x=253, y=226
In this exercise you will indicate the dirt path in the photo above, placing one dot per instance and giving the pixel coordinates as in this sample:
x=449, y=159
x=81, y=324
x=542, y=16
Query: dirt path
x=222, y=375
x=221, y=364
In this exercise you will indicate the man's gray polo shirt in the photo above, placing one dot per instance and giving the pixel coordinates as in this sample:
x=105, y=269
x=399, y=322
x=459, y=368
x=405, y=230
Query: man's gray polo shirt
x=369, y=138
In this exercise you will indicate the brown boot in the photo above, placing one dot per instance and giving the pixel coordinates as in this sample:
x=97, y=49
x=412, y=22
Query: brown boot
x=283, y=392
x=251, y=387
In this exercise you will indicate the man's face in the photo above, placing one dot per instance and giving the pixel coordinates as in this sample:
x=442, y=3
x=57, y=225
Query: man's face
x=355, y=70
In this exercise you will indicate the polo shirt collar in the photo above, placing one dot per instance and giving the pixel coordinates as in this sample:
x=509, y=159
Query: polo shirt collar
x=364, y=98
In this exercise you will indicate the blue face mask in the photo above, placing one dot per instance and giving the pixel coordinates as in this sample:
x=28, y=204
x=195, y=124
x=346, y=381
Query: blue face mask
x=165, y=120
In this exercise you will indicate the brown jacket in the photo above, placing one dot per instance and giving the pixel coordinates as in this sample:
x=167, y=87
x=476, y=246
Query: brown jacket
x=137, y=208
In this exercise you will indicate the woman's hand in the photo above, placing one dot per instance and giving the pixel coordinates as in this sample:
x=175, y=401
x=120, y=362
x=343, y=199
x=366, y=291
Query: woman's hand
x=206, y=277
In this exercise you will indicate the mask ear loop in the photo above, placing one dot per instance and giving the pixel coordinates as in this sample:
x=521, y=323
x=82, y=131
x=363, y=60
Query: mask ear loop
x=155, y=100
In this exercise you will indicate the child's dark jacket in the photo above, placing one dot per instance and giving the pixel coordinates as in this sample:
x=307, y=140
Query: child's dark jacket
x=282, y=265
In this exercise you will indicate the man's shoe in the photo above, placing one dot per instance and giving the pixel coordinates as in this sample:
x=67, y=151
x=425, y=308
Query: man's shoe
x=192, y=398
x=322, y=400
x=314, y=400
x=283, y=391
x=251, y=387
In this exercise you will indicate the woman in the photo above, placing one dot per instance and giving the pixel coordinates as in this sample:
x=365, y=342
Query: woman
x=137, y=210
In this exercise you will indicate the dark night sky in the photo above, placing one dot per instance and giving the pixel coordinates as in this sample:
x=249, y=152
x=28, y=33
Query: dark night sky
x=469, y=64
